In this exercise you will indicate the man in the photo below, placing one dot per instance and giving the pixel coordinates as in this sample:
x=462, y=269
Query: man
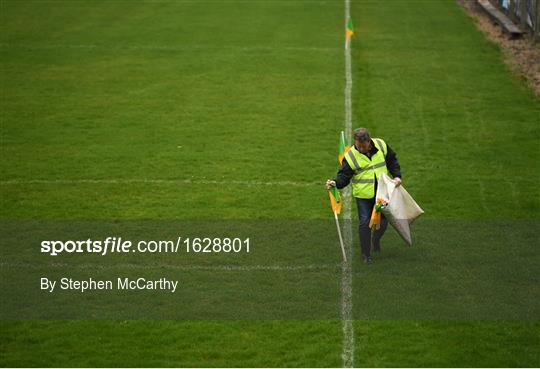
x=363, y=163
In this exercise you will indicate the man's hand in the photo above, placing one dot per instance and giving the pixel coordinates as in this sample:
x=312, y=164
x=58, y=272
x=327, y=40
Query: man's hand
x=397, y=181
x=330, y=184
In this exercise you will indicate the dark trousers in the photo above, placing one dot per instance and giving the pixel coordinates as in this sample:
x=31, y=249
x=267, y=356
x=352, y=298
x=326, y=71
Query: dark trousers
x=365, y=207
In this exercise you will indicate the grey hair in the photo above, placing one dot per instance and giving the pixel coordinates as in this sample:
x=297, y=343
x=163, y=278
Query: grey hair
x=362, y=134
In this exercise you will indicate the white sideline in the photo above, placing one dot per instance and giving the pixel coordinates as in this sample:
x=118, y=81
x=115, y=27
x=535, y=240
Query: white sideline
x=347, y=354
x=157, y=181
x=167, y=47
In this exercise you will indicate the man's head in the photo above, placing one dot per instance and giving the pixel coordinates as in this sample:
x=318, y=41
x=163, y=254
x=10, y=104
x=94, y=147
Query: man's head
x=362, y=140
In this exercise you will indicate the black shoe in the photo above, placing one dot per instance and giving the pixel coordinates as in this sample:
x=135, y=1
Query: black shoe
x=367, y=259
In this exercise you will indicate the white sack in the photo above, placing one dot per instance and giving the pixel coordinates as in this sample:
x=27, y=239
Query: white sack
x=401, y=210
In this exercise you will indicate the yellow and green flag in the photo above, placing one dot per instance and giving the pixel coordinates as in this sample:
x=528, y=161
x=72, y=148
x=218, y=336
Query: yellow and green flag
x=349, y=32
x=335, y=200
x=343, y=148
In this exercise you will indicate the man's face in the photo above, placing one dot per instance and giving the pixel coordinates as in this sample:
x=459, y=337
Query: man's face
x=364, y=146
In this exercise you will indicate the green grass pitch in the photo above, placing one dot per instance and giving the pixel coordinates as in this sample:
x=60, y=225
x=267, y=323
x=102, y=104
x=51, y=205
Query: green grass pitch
x=158, y=109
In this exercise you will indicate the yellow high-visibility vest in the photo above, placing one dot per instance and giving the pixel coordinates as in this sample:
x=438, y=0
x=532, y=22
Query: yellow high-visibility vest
x=365, y=170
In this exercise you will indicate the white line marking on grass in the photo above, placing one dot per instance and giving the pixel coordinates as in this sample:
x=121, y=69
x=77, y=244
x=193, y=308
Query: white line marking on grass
x=347, y=353
x=195, y=48
x=157, y=181
x=482, y=192
x=241, y=268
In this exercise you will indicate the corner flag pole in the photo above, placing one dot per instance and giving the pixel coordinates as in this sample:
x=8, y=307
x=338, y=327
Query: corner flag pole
x=340, y=238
